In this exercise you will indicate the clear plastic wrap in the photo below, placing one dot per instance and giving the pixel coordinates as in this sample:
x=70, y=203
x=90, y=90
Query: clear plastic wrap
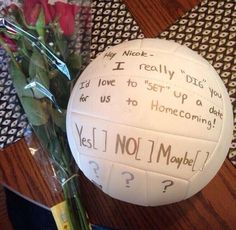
x=48, y=42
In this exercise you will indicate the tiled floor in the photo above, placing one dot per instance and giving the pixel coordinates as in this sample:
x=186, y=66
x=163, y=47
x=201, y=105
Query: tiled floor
x=4, y=221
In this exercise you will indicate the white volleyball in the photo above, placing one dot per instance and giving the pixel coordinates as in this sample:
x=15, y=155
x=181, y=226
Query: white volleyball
x=149, y=122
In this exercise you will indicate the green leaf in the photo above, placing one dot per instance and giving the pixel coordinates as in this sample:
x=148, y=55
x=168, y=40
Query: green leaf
x=59, y=118
x=38, y=72
x=35, y=110
x=40, y=25
x=59, y=87
x=25, y=50
x=43, y=135
x=19, y=81
x=60, y=40
x=37, y=64
x=74, y=62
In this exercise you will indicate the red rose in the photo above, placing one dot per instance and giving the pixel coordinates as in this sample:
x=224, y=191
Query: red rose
x=10, y=43
x=66, y=14
x=63, y=12
x=31, y=9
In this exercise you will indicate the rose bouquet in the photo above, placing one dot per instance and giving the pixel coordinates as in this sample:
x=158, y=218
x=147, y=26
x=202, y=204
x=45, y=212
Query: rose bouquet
x=48, y=43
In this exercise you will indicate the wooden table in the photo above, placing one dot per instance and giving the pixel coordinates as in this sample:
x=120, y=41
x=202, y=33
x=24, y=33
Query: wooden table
x=212, y=208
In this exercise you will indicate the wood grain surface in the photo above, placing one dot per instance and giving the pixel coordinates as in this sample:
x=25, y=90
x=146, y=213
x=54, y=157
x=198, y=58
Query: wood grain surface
x=4, y=220
x=212, y=208
x=22, y=172
x=154, y=16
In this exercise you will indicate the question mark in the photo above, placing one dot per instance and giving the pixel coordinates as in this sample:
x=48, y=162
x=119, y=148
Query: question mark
x=95, y=167
x=130, y=178
x=169, y=183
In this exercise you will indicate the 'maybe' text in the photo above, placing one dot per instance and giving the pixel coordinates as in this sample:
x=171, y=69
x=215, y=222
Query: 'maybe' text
x=154, y=152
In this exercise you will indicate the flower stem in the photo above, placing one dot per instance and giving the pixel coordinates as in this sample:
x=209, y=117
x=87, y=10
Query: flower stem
x=76, y=212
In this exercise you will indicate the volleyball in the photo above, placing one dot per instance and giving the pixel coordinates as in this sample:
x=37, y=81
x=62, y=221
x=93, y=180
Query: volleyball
x=149, y=122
